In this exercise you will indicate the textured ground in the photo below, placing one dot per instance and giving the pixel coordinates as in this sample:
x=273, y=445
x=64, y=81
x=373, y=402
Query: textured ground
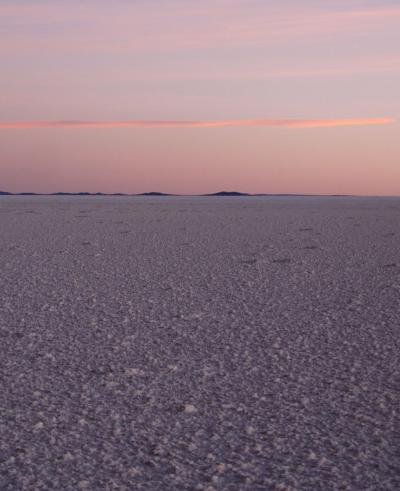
x=199, y=344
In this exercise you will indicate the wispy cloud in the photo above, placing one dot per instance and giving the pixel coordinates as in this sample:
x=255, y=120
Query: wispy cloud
x=284, y=123
x=140, y=27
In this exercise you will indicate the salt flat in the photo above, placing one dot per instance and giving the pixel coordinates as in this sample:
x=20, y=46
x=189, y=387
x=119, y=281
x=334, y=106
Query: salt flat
x=199, y=343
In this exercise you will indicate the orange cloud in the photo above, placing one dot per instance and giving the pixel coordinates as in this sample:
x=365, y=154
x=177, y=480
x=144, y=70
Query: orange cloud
x=285, y=123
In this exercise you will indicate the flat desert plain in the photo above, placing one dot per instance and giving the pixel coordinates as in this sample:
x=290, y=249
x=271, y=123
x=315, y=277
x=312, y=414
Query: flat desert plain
x=247, y=343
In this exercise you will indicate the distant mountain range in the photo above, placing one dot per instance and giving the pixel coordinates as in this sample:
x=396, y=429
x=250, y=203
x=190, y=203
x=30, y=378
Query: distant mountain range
x=151, y=193
x=155, y=193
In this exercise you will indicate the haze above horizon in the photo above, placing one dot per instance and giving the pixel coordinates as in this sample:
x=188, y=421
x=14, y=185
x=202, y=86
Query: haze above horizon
x=188, y=97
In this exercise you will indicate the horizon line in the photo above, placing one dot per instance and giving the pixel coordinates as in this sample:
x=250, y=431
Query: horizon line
x=284, y=123
x=156, y=194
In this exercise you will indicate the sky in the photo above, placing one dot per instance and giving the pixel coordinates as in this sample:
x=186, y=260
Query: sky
x=189, y=96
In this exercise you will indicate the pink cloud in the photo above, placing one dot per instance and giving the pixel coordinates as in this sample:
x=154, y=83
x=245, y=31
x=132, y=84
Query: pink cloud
x=285, y=123
x=139, y=27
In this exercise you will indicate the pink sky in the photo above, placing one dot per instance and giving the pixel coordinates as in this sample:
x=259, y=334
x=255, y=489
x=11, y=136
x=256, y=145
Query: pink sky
x=190, y=97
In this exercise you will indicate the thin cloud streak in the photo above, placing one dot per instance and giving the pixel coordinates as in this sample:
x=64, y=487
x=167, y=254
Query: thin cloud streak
x=219, y=24
x=284, y=123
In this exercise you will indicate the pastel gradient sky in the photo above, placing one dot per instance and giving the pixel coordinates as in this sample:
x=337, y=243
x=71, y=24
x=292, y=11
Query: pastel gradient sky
x=190, y=96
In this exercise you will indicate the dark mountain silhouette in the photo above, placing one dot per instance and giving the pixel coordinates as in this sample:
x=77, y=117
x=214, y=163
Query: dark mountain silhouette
x=157, y=193
x=227, y=193
x=84, y=193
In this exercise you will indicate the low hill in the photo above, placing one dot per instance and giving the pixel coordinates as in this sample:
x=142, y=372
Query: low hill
x=227, y=193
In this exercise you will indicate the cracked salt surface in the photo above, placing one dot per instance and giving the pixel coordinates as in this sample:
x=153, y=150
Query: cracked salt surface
x=221, y=344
